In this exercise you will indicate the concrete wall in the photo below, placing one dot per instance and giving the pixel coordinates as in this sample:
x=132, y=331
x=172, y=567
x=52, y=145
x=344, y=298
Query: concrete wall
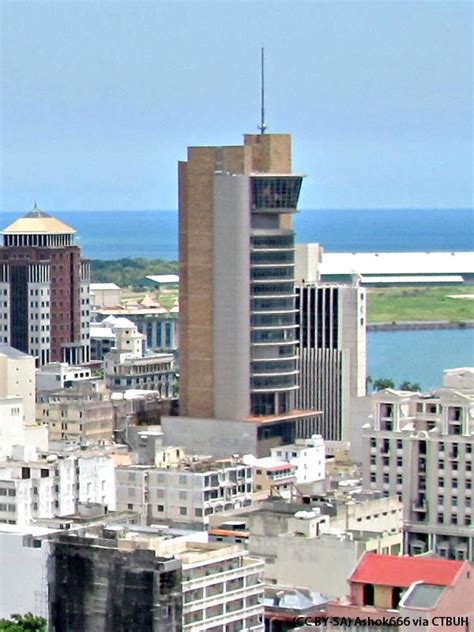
x=17, y=379
x=211, y=437
x=310, y=562
x=231, y=297
x=23, y=583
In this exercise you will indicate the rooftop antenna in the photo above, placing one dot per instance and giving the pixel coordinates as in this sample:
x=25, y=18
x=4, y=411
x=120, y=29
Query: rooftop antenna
x=262, y=127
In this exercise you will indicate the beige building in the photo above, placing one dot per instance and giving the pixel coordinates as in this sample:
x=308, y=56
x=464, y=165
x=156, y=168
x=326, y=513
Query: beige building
x=301, y=548
x=83, y=413
x=419, y=446
x=238, y=347
x=17, y=379
x=272, y=477
x=105, y=295
x=127, y=366
x=184, y=490
x=20, y=435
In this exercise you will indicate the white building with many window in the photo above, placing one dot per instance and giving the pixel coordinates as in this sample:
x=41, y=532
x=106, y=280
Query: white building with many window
x=307, y=455
x=54, y=485
x=419, y=446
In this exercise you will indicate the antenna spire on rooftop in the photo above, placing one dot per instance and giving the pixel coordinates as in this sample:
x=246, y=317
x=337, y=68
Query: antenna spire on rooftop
x=262, y=127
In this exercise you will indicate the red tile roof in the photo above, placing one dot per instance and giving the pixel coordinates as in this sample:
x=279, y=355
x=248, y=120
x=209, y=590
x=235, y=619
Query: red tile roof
x=392, y=570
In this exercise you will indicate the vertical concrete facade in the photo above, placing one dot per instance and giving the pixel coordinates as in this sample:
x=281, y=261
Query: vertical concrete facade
x=231, y=297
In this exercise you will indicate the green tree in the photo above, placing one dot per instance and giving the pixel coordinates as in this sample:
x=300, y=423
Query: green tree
x=410, y=386
x=23, y=623
x=382, y=383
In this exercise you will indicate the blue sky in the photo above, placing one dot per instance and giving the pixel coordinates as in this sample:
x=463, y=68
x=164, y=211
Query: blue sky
x=99, y=99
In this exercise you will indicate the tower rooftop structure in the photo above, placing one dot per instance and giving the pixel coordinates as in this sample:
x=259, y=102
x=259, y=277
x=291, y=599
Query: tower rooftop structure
x=37, y=222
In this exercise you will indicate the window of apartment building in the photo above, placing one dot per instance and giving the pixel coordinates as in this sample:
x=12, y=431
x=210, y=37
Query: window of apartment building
x=373, y=442
x=160, y=508
x=468, y=448
x=373, y=477
x=373, y=459
x=183, y=494
x=468, y=466
x=467, y=521
x=386, y=478
x=440, y=482
x=419, y=407
x=399, y=479
x=182, y=479
x=440, y=518
x=454, y=519
x=454, y=420
x=130, y=506
x=399, y=461
x=399, y=444
x=183, y=511
x=198, y=512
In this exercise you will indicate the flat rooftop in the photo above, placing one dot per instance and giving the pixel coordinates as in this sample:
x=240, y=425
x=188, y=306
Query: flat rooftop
x=401, y=263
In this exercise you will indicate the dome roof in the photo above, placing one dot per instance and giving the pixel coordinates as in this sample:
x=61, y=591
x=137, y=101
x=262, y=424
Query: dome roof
x=36, y=222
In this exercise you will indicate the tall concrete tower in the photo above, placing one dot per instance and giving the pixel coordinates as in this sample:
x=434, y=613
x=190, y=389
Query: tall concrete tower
x=44, y=285
x=238, y=346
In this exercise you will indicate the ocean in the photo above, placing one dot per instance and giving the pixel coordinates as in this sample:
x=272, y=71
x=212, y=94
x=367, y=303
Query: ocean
x=154, y=234
x=417, y=356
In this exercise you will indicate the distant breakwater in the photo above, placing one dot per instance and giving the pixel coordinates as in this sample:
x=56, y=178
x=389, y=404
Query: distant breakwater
x=407, y=325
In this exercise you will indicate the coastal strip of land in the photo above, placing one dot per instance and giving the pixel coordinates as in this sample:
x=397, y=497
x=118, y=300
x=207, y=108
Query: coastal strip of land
x=388, y=307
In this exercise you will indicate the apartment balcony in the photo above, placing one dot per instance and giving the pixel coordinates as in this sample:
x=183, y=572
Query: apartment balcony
x=248, y=569
x=222, y=598
x=226, y=618
x=419, y=506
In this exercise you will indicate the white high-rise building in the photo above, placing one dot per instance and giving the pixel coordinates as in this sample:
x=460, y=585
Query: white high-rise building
x=420, y=447
x=332, y=355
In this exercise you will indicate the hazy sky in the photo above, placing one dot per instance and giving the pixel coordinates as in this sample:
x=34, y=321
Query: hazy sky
x=99, y=99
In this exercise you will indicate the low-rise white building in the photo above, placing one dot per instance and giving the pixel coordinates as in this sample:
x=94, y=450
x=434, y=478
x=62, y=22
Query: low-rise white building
x=307, y=455
x=60, y=375
x=127, y=366
x=24, y=554
x=105, y=295
x=54, y=485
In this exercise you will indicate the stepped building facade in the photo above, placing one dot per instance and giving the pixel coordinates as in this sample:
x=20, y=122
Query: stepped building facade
x=238, y=343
